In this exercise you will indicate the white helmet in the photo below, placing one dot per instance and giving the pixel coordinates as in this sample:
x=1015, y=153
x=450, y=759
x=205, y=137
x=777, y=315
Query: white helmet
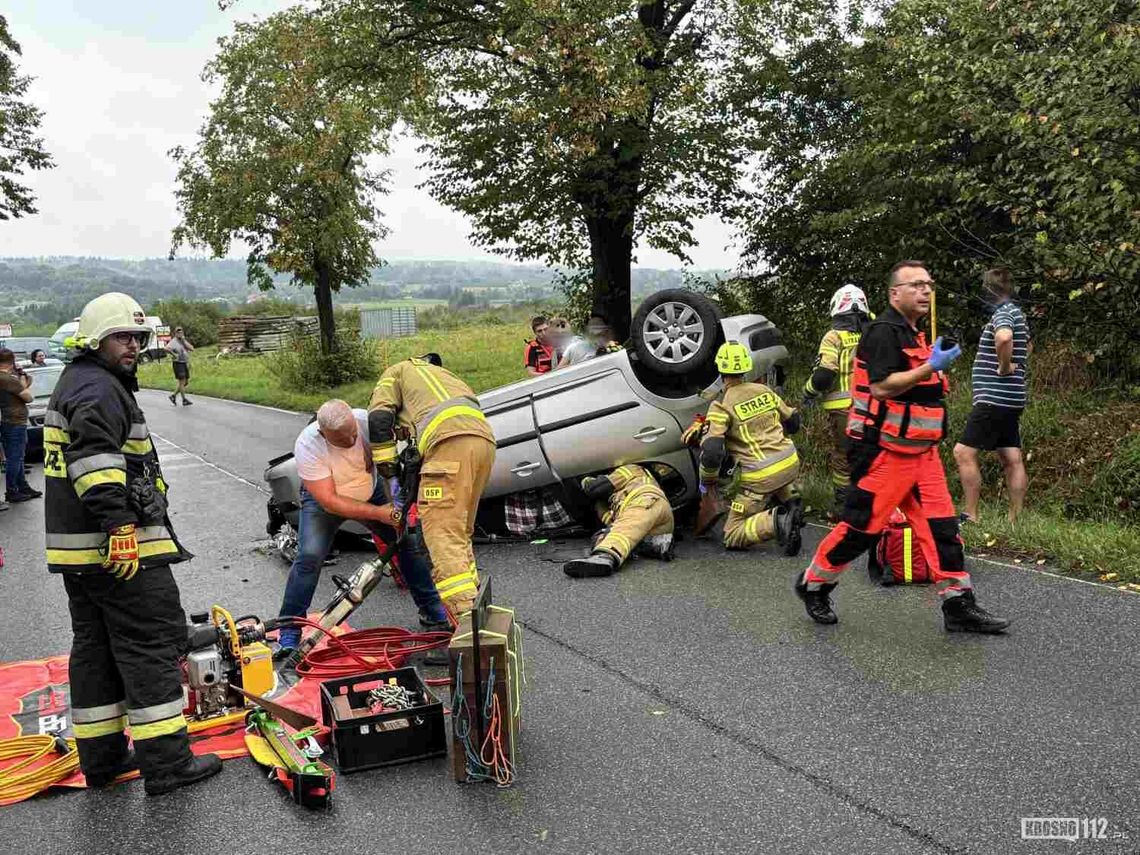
x=105, y=315
x=849, y=298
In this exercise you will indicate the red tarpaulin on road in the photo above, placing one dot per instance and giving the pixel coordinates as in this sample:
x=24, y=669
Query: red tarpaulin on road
x=35, y=699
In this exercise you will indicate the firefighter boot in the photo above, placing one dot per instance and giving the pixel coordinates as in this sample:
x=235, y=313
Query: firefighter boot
x=789, y=526
x=598, y=563
x=963, y=614
x=129, y=763
x=817, y=603
x=659, y=546
x=191, y=772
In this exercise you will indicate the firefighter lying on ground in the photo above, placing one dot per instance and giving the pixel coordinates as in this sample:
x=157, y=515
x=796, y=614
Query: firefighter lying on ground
x=830, y=382
x=421, y=400
x=637, y=518
x=750, y=423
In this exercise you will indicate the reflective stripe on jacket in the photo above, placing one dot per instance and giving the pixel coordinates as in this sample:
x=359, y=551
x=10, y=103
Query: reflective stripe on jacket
x=910, y=423
x=96, y=443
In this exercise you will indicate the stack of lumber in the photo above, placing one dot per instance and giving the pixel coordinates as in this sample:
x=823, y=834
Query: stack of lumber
x=261, y=333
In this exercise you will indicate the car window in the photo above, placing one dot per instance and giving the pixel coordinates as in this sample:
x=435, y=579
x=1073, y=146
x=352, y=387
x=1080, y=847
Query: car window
x=44, y=380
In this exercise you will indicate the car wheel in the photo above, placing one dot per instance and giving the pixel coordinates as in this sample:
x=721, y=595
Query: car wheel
x=676, y=332
x=143, y=358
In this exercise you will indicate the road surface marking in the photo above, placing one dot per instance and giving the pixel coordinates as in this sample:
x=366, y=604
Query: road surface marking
x=239, y=403
x=233, y=475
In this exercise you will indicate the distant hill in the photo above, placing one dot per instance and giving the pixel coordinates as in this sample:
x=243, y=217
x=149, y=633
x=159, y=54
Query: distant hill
x=51, y=289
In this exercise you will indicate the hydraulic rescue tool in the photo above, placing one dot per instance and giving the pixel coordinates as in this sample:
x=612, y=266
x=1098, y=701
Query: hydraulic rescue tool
x=353, y=591
x=290, y=756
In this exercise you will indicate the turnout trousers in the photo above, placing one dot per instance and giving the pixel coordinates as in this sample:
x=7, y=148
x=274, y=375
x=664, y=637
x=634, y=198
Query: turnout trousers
x=124, y=671
x=752, y=512
x=646, y=516
x=881, y=481
x=837, y=461
x=452, y=478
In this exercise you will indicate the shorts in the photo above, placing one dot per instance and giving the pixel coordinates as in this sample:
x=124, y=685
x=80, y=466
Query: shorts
x=989, y=427
x=181, y=370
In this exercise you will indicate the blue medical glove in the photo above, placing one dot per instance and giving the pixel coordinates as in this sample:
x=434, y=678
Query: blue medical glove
x=940, y=359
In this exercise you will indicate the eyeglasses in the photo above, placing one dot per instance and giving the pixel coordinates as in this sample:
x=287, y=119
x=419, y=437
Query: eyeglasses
x=128, y=337
x=921, y=285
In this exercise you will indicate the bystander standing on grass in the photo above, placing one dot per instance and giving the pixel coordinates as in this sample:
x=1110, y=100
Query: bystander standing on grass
x=999, y=389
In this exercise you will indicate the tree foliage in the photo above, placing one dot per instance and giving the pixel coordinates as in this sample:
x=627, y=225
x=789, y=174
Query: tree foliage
x=573, y=132
x=970, y=133
x=20, y=145
x=280, y=164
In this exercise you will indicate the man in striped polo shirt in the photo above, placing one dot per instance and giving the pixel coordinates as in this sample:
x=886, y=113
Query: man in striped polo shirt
x=999, y=397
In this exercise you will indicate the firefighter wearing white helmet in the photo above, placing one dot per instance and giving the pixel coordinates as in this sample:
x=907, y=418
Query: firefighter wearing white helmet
x=830, y=380
x=748, y=427
x=110, y=538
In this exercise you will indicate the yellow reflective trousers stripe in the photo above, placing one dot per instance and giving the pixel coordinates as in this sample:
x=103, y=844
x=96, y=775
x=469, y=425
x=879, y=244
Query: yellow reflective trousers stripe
x=58, y=435
x=908, y=562
x=138, y=446
x=95, y=729
x=154, y=729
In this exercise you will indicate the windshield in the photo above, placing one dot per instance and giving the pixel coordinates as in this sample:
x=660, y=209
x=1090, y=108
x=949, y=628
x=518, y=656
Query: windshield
x=44, y=380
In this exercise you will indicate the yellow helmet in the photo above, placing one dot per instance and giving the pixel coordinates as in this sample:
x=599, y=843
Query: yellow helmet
x=733, y=358
x=107, y=314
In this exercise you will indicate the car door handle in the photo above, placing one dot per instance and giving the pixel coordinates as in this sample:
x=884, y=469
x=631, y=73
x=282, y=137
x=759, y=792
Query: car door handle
x=525, y=469
x=649, y=434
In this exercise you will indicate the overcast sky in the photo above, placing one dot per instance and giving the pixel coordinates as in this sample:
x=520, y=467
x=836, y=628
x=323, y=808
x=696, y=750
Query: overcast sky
x=118, y=81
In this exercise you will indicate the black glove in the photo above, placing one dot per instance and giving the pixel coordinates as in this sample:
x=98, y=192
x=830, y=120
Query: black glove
x=147, y=501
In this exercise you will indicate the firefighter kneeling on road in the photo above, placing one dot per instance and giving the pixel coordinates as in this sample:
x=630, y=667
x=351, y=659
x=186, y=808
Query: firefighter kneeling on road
x=425, y=403
x=637, y=517
x=830, y=381
x=750, y=423
x=897, y=419
x=108, y=533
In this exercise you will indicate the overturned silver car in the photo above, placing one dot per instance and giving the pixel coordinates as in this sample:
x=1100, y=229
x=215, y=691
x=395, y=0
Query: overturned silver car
x=625, y=407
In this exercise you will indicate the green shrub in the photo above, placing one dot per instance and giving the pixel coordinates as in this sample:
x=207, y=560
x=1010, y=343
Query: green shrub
x=198, y=318
x=303, y=367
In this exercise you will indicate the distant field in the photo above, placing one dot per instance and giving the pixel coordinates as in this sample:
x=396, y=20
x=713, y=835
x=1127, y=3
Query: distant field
x=485, y=357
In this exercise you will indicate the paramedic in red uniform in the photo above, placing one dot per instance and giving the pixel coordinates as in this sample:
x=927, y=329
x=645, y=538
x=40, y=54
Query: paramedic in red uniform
x=897, y=419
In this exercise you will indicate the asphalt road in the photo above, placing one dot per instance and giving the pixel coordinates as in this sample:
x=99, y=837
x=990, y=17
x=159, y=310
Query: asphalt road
x=681, y=707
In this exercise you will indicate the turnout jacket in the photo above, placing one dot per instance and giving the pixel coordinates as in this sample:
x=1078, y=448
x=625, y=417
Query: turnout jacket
x=423, y=402
x=96, y=444
x=748, y=421
x=835, y=363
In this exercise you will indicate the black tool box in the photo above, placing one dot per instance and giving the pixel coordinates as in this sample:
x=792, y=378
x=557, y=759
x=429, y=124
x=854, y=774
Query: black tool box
x=363, y=739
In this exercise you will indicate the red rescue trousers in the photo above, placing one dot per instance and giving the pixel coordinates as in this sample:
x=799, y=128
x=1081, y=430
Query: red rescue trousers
x=881, y=481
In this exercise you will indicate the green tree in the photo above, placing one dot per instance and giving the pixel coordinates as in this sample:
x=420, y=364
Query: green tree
x=574, y=132
x=198, y=318
x=280, y=164
x=970, y=133
x=20, y=146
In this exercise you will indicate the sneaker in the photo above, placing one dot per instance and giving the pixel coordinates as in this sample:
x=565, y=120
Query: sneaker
x=817, y=603
x=174, y=399
x=963, y=614
x=191, y=772
x=594, y=565
x=32, y=494
x=14, y=498
x=186, y=402
x=129, y=763
x=431, y=623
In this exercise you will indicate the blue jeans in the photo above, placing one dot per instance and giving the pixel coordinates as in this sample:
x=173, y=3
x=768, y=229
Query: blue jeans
x=15, y=441
x=317, y=528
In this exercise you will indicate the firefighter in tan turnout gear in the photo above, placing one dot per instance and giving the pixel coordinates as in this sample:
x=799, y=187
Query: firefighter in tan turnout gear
x=421, y=401
x=749, y=423
x=830, y=382
x=637, y=517
x=107, y=532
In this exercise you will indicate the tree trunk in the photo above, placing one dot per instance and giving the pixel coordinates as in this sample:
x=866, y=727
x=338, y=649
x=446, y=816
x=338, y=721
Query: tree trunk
x=325, y=306
x=611, y=253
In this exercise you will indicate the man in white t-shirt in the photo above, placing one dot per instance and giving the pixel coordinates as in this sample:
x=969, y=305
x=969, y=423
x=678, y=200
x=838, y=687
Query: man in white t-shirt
x=338, y=482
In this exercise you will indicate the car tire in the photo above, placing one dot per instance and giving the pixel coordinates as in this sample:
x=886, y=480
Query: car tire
x=676, y=332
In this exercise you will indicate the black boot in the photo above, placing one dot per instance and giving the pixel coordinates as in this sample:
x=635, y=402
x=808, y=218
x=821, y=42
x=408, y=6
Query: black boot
x=129, y=763
x=817, y=603
x=191, y=772
x=595, y=564
x=789, y=527
x=963, y=614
